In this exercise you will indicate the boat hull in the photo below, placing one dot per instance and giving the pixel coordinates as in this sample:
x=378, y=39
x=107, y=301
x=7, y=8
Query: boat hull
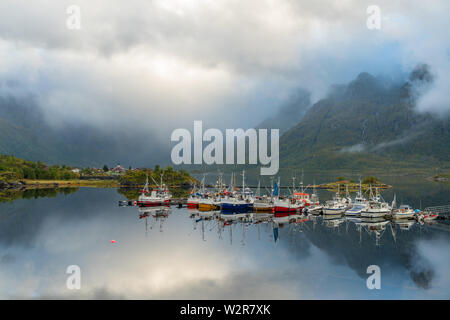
x=235, y=207
x=152, y=203
x=206, y=206
x=374, y=214
x=333, y=211
x=403, y=215
x=262, y=207
x=192, y=205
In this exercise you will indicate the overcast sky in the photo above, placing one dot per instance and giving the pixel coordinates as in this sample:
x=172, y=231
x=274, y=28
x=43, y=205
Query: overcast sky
x=228, y=63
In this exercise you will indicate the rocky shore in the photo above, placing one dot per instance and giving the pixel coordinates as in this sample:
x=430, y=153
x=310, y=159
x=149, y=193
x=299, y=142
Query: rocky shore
x=14, y=185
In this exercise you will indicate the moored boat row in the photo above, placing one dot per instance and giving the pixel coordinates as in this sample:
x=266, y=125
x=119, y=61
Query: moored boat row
x=230, y=199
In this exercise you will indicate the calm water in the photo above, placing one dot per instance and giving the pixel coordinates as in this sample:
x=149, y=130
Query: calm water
x=191, y=255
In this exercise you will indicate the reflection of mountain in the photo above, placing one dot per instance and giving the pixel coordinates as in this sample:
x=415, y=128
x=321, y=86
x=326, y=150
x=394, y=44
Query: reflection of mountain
x=25, y=133
x=22, y=220
x=345, y=247
x=369, y=124
x=10, y=195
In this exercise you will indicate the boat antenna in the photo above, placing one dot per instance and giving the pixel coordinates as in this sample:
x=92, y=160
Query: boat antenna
x=394, y=202
x=154, y=182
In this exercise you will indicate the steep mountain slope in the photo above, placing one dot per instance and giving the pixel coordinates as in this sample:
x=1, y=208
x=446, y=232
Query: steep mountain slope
x=290, y=113
x=25, y=133
x=366, y=124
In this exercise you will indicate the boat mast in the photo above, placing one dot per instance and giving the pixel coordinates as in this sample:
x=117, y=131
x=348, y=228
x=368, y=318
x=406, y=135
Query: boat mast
x=243, y=182
x=279, y=186
x=258, y=190
x=271, y=183
x=301, y=183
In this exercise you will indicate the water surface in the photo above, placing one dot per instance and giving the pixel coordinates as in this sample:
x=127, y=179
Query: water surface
x=182, y=254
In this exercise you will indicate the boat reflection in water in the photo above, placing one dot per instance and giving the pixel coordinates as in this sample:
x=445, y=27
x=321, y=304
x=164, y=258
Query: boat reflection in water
x=274, y=222
x=156, y=214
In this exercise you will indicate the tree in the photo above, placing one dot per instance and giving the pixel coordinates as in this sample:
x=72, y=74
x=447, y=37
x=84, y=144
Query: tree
x=105, y=168
x=370, y=180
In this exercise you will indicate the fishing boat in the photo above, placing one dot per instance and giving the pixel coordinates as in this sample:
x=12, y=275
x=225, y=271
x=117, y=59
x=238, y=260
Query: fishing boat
x=238, y=202
x=426, y=216
x=315, y=207
x=264, y=203
x=376, y=207
x=207, y=204
x=157, y=197
x=337, y=205
x=358, y=204
x=194, y=197
x=287, y=205
x=192, y=201
x=403, y=212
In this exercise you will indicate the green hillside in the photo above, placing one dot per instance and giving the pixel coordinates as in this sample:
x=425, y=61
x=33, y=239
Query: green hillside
x=12, y=169
x=366, y=124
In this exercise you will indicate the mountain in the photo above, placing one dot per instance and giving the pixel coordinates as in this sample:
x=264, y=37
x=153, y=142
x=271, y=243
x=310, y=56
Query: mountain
x=290, y=113
x=369, y=124
x=25, y=133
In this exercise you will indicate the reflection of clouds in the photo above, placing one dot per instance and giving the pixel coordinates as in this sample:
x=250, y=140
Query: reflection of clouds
x=169, y=265
x=431, y=265
x=164, y=265
x=178, y=264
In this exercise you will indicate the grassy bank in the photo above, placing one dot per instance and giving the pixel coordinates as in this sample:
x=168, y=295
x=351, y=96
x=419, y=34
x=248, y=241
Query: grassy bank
x=32, y=183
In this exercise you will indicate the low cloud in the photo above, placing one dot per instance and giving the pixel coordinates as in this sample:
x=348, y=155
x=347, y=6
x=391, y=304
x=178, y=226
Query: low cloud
x=164, y=64
x=360, y=147
x=355, y=148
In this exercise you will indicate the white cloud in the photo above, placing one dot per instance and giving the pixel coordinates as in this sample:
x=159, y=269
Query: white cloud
x=176, y=61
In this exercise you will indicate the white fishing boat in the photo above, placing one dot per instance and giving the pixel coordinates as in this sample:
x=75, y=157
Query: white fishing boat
x=263, y=203
x=337, y=205
x=376, y=207
x=315, y=207
x=358, y=204
x=157, y=197
x=403, y=212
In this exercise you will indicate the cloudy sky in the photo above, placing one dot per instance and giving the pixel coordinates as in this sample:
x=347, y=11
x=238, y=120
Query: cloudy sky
x=228, y=63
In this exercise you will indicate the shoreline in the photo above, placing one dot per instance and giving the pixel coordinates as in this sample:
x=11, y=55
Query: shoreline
x=27, y=184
